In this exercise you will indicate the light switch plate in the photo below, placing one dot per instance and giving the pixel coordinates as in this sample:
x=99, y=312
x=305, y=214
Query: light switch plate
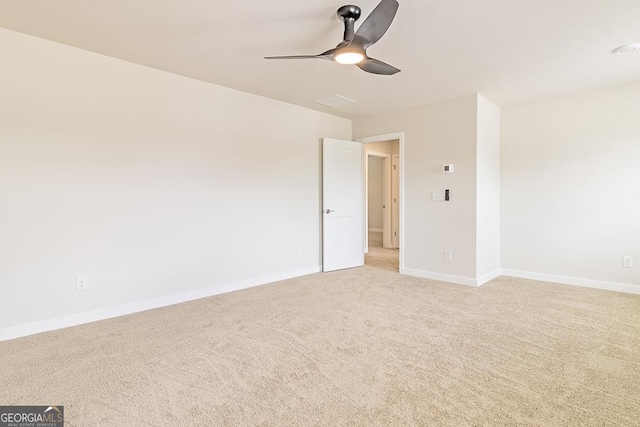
x=437, y=196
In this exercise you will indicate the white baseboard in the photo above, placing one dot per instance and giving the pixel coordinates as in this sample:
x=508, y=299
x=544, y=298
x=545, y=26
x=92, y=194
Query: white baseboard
x=440, y=277
x=136, y=307
x=458, y=280
x=587, y=283
x=607, y=286
x=489, y=277
x=376, y=230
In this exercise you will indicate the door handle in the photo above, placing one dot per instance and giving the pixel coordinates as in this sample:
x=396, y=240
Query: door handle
x=328, y=211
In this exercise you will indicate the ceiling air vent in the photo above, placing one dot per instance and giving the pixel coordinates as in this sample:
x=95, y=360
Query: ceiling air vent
x=334, y=101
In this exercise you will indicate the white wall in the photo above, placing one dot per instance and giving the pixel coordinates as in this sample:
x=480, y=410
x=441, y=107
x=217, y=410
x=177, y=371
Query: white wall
x=436, y=134
x=488, y=189
x=375, y=190
x=571, y=185
x=149, y=183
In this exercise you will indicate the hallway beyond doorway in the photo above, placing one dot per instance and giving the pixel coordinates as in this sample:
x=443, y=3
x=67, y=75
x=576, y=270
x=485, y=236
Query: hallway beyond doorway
x=380, y=257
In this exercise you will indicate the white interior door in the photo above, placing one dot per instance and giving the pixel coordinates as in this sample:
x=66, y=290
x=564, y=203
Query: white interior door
x=343, y=204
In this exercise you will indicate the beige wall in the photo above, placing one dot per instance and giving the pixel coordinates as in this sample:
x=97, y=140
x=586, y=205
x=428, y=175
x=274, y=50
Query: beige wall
x=395, y=147
x=571, y=186
x=375, y=189
x=150, y=184
x=380, y=147
x=436, y=134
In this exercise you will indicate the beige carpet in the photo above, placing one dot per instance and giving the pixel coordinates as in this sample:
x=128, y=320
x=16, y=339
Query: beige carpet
x=380, y=257
x=364, y=347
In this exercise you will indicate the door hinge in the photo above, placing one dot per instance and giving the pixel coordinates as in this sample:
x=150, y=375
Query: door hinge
x=394, y=200
x=394, y=167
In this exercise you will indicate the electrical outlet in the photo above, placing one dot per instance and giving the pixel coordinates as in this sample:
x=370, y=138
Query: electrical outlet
x=82, y=283
x=627, y=262
x=448, y=255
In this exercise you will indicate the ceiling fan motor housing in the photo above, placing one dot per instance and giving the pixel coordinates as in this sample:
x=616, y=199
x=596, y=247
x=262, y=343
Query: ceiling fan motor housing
x=349, y=15
x=349, y=11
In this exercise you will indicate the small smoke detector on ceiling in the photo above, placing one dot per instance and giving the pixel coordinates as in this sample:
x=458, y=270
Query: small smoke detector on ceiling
x=334, y=101
x=627, y=48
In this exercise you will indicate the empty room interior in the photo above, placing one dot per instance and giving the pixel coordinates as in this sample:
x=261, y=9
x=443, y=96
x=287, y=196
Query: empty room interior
x=319, y=213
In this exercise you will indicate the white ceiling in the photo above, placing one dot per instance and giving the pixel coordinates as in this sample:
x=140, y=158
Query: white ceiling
x=508, y=50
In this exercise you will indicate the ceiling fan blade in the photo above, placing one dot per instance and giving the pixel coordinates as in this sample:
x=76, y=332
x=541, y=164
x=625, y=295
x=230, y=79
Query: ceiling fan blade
x=374, y=66
x=324, y=55
x=376, y=24
x=296, y=57
x=330, y=53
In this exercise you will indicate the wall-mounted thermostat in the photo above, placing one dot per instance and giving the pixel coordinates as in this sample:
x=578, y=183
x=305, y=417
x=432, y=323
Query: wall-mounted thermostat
x=448, y=168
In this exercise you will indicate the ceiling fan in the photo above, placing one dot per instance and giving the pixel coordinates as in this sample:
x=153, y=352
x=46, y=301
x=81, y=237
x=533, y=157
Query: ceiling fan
x=353, y=49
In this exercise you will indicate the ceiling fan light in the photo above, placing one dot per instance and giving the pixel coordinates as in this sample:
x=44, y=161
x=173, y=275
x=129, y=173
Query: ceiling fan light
x=349, y=58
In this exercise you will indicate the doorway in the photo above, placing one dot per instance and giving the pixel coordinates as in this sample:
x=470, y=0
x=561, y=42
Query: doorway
x=344, y=204
x=382, y=202
x=377, y=193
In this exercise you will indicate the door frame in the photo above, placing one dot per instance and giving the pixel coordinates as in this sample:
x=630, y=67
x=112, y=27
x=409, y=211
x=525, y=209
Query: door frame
x=400, y=137
x=395, y=206
x=386, y=197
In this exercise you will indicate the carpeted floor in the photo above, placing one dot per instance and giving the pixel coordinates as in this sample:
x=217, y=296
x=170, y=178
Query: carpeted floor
x=364, y=346
x=380, y=257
